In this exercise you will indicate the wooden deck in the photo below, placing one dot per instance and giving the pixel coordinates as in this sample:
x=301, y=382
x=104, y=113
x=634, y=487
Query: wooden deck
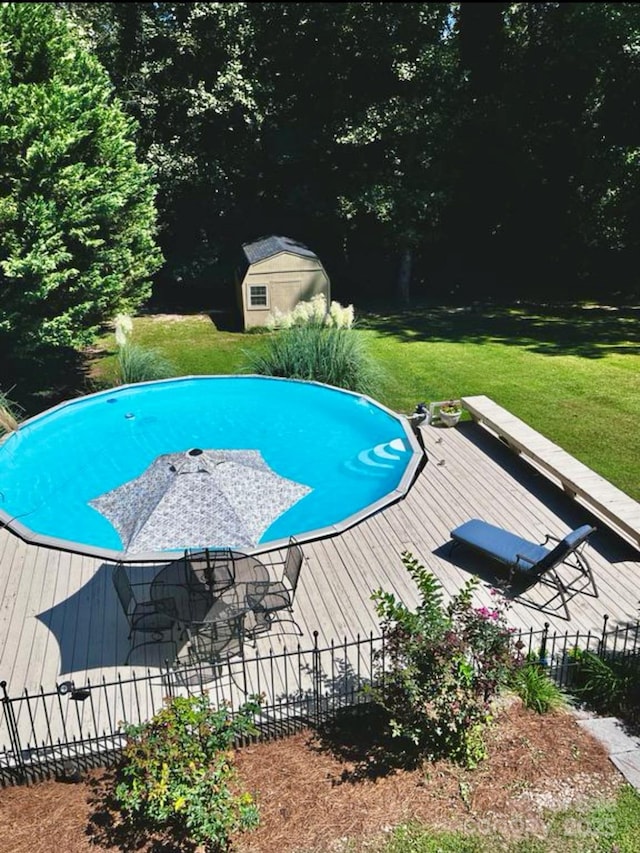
x=60, y=618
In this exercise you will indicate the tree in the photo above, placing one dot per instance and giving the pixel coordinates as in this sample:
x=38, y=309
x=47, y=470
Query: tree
x=492, y=147
x=547, y=185
x=187, y=73
x=77, y=215
x=322, y=122
x=399, y=131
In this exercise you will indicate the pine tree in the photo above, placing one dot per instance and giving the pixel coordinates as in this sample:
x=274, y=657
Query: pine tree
x=77, y=214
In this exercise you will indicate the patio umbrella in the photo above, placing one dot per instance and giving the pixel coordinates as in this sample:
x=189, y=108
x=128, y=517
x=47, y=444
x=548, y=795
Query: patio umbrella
x=201, y=498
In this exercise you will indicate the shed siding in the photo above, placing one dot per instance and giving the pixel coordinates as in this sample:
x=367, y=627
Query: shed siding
x=289, y=279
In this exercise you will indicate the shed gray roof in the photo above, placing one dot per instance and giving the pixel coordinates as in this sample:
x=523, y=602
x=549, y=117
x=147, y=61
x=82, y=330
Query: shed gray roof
x=266, y=247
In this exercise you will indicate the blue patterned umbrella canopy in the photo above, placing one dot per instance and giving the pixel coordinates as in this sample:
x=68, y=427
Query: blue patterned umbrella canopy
x=198, y=499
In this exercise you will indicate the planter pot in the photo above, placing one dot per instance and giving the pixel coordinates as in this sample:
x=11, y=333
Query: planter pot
x=449, y=418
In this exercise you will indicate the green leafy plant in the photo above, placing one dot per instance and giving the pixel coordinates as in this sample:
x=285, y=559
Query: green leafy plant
x=77, y=217
x=322, y=353
x=538, y=691
x=177, y=772
x=608, y=685
x=441, y=666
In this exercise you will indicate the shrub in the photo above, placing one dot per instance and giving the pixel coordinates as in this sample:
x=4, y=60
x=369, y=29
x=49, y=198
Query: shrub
x=441, y=667
x=321, y=353
x=77, y=216
x=537, y=690
x=609, y=686
x=177, y=773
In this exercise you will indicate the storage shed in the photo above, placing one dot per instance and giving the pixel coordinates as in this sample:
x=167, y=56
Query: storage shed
x=277, y=273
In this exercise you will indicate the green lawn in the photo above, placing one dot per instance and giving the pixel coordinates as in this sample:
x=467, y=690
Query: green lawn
x=572, y=374
x=191, y=342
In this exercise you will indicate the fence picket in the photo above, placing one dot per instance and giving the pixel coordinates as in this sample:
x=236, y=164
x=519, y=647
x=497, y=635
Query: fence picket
x=326, y=679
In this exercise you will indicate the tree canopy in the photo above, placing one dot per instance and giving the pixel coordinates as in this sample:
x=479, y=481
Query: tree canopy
x=421, y=149
x=77, y=215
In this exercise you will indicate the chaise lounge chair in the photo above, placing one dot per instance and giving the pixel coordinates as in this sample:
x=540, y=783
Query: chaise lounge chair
x=528, y=561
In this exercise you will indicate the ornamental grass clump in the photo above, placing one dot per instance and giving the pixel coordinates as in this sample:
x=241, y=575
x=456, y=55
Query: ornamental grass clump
x=136, y=363
x=313, y=312
x=441, y=667
x=532, y=683
x=9, y=414
x=321, y=353
x=177, y=774
x=610, y=686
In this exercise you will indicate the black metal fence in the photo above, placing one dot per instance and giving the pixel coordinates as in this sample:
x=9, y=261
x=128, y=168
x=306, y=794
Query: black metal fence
x=65, y=731
x=73, y=727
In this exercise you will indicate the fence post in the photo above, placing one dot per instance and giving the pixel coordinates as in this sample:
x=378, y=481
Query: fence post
x=316, y=676
x=602, y=645
x=543, y=645
x=14, y=736
x=169, y=679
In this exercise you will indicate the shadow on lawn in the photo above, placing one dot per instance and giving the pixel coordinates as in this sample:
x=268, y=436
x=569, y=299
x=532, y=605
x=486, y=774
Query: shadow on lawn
x=41, y=381
x=589, y=332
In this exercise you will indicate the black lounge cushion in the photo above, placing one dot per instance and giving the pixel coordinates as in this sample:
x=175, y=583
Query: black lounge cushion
x=513, y=550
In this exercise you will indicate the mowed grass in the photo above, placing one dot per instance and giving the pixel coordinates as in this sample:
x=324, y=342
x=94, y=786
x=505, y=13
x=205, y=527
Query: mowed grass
x=571, y=373
x=191, y=342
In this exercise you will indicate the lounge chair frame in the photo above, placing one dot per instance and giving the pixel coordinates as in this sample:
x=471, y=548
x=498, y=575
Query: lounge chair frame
x=533, y=563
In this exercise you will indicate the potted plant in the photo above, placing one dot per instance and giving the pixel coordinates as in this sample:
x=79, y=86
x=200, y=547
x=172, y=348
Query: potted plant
x=449, y=413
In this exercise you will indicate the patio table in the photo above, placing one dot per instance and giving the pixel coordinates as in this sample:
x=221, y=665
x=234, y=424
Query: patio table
x=193, y=587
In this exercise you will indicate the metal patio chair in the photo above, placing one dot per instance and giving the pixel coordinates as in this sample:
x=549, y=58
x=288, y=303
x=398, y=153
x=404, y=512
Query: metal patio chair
x=218, y=641
x=270, y=599
x=158, y=617
x=215, y=568
x=210, y=648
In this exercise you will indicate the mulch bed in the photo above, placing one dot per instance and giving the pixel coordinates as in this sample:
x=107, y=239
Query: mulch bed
x=317, y=790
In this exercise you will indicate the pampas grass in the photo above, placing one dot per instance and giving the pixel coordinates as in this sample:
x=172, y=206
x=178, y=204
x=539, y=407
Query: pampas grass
x=137, y=364
x=9, y=414
x=321, y=353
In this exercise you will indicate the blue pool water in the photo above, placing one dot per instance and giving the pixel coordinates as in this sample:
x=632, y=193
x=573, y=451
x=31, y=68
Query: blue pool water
x=349, y=450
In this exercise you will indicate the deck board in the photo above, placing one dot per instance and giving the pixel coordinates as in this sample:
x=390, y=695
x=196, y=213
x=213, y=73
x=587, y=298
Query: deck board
x=60, y=618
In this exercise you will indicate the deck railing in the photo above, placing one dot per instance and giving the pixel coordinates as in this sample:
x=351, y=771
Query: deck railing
x=62, y=732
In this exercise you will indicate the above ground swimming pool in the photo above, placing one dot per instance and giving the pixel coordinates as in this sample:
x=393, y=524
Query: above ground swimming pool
x=240, y=462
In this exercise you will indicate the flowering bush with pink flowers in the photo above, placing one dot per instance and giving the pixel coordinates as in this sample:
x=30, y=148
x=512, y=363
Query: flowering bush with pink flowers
x=441, y=667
